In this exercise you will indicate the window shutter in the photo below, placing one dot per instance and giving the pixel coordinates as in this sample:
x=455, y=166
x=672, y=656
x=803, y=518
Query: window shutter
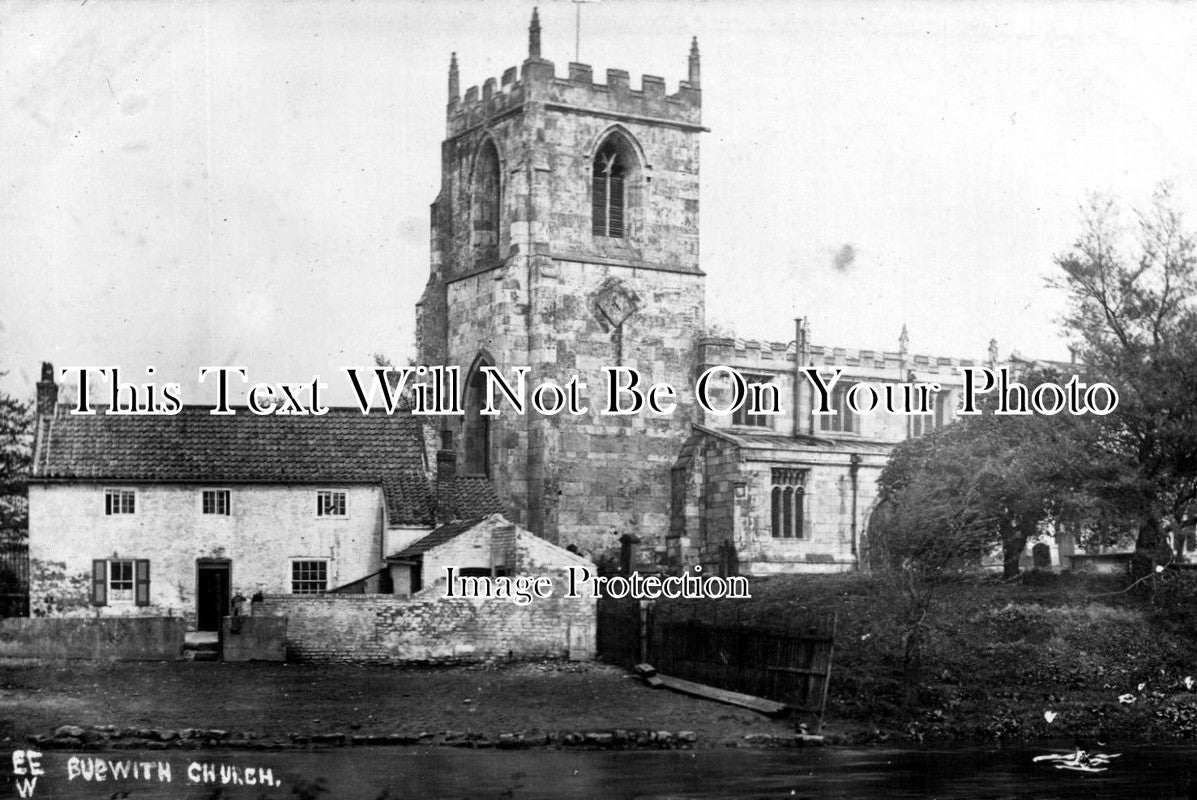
x=615, y=220
x=599, y=204
x=142, y=587
x=99, y=582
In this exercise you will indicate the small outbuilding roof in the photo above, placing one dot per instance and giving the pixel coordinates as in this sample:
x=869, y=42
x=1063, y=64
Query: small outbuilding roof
x=439, y=536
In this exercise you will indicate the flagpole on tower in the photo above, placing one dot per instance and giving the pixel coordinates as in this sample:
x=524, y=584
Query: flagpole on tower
x=578, y=31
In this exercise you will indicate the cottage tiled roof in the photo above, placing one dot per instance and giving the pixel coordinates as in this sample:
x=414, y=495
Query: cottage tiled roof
x=468, y=496
x=438, y=537
x=342, y=446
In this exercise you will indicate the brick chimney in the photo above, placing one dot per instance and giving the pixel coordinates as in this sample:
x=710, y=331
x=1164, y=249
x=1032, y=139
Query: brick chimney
x=446, y=467
x=47, y=391
x=446, y=474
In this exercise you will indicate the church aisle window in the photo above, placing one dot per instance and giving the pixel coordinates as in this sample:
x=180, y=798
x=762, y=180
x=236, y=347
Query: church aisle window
x=789, y=506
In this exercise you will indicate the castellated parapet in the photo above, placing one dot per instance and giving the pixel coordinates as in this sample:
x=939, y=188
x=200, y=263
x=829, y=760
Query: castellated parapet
x=736, y=352
x=538, y=82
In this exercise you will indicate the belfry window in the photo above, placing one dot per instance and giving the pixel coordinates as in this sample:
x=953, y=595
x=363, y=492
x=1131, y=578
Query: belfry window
x=609, y=191
x=487, y=198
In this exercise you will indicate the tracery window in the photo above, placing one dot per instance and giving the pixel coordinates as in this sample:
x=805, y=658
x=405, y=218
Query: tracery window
x=788, y=503
x=609, y=192
x=487, y=198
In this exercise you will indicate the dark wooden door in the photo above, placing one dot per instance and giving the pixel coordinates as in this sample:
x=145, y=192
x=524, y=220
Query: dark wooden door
x=212, y=594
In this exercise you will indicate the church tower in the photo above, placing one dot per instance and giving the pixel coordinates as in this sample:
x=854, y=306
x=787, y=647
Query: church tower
x=565, y=239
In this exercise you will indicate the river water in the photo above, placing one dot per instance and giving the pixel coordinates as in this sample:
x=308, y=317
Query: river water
x=392, y=773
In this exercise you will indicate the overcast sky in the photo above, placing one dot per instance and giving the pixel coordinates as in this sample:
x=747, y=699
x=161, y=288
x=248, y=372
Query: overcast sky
x=248, y=182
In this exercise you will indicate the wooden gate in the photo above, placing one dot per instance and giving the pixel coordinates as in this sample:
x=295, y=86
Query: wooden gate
x=620, y=635
x=14, y=579
x=789, y=663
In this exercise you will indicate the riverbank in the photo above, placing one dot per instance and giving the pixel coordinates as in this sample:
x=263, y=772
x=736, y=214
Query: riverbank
x=1043, y=657
x=260, y=705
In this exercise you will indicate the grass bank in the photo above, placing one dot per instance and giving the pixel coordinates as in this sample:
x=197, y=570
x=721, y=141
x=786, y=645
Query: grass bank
x=1043, y=656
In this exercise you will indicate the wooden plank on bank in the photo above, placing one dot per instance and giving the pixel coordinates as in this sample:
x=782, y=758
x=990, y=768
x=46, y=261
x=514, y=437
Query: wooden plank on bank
x=648, y=674
x=759, y=704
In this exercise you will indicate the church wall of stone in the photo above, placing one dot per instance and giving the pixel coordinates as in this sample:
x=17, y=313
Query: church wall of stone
x=829, y=542
x=598, y=475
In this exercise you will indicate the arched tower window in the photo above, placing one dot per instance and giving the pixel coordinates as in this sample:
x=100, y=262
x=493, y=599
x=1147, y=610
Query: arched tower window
x=608, y=182
x=476, y=426
x=486, y=199
x=613, y=182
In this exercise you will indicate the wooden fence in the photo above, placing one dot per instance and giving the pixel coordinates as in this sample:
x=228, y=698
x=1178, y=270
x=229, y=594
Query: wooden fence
x=789, y=662
x=14, y=579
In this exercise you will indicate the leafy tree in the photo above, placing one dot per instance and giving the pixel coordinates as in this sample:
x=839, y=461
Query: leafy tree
x=1132, y=320
x=928, y=525
x=1032, y=470
x=982, y=483
x=16, y=459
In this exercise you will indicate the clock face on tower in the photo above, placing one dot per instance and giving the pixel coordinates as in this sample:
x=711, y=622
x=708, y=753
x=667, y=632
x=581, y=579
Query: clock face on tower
x=614, y=303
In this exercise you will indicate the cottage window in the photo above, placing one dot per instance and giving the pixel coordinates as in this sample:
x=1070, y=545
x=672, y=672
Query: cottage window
x=118, y=501
x=741, y=416
x=843, y=420
x=309, y=576
x=789, y=494
x=120, y=580
x=216, y=501
x=330, y=504
x=608, y=173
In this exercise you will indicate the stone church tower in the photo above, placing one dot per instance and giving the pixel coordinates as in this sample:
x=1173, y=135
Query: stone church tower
x=565, y=239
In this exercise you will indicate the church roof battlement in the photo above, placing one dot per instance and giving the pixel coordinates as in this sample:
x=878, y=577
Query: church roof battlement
x=735, y=351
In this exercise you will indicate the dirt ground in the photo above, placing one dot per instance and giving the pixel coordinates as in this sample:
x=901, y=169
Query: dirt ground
x=299, y=698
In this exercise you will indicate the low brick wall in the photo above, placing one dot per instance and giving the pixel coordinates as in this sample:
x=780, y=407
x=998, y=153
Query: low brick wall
x=385, y=629
x=253, y=639
x=117, y=638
